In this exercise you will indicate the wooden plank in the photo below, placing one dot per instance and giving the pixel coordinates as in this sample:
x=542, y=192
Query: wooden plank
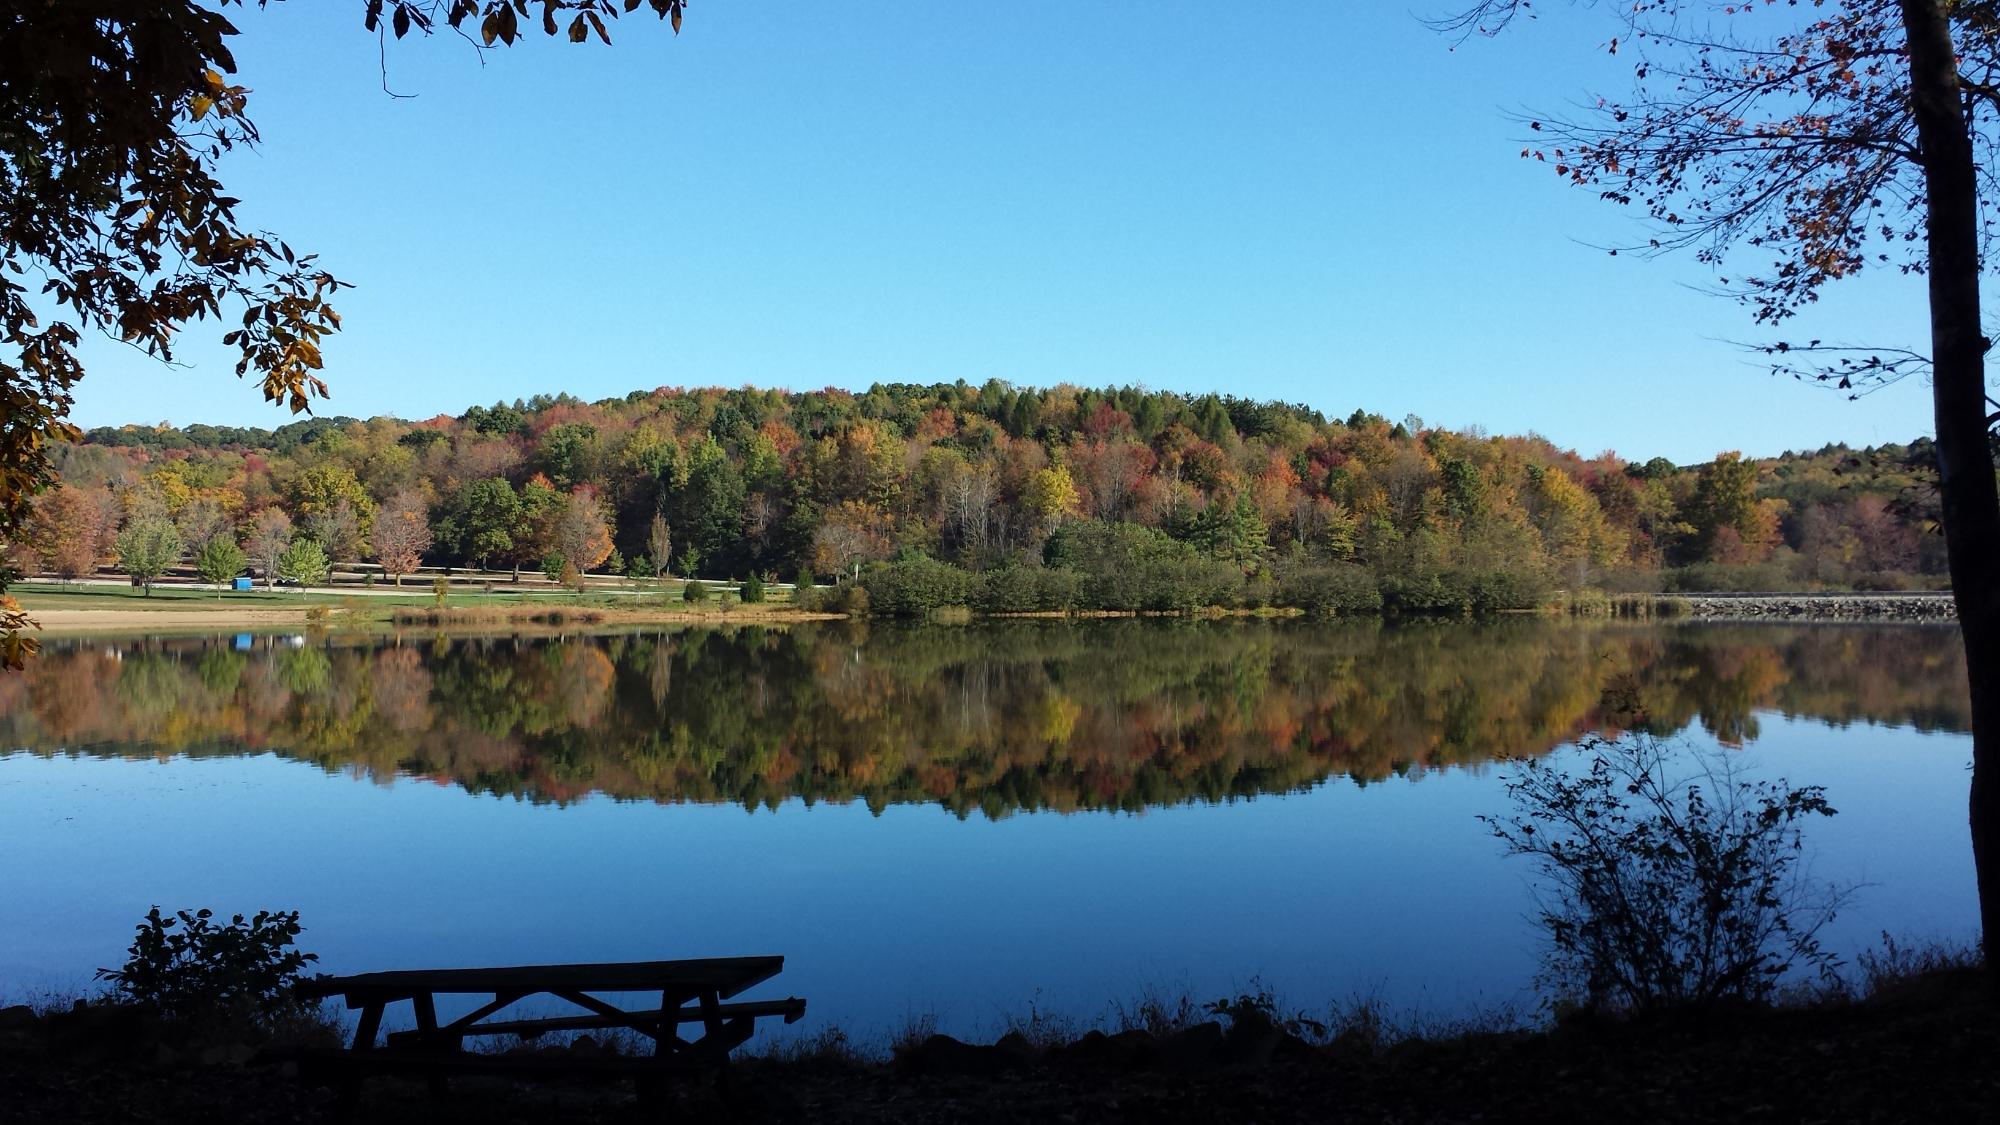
x=499, y=1001
x=792, y=1009
x=344, y=1065
x=616, y=1016
x=728, y=975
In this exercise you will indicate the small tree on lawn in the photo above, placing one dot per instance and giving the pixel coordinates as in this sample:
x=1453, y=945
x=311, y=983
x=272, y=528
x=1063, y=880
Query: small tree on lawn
x=147, y=548
x=402, y=535
x=303, y=562
x=582, y=538
x=220, y=561
x=270, y=537
x=660, y=542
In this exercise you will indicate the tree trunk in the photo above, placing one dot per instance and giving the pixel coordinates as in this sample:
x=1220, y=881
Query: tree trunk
x=1971, y=508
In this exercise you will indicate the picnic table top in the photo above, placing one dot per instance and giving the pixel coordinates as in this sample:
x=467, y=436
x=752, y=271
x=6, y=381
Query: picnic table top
x=726, y=976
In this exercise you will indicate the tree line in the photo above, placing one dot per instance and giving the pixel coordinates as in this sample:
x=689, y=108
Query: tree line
x=994, y=495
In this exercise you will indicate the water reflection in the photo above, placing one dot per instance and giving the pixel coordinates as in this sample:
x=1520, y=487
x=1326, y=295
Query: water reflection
x=994, y=717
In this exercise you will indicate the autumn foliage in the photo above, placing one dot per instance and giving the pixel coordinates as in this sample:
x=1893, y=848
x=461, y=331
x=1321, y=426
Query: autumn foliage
x=1149, y=500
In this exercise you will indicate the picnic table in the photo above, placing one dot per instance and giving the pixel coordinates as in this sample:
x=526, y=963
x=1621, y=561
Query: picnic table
x=691, y=992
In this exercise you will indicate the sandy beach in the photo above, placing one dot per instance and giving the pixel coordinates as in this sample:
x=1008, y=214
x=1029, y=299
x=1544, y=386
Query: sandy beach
x=80, y=620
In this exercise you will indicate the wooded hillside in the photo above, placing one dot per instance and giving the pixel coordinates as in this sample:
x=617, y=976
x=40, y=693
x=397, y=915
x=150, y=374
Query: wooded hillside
x=1241, y=499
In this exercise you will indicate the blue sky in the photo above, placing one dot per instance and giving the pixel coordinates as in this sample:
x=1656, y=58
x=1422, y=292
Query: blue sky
x=1312, y=202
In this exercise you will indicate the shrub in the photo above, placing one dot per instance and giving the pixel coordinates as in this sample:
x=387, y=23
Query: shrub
x=851, y=599
x=914, y=586
x=440, y=589
x=1259, y=591
x=1027, y=589
x=189, y=969
x=1490, y=591
x=753, y=590
x=1666, y=893
x=1328, y=591
x=694, y=592
x=1123, y=566
x=1460, y=590
x=1707, y=577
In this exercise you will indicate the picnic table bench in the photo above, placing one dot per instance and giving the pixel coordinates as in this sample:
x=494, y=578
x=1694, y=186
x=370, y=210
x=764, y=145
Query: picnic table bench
x=690, y=992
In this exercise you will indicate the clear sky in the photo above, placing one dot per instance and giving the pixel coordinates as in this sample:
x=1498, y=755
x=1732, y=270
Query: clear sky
x=1316, y=202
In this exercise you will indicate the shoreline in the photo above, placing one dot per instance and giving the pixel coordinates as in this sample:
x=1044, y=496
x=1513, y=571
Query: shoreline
x=336, y=611
x=64, y=622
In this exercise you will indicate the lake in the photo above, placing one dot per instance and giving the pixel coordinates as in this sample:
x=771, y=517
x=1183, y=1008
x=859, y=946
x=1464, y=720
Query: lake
x=963, y=821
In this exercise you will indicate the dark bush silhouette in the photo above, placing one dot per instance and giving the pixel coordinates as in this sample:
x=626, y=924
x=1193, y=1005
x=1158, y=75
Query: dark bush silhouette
x=1668, y=891
x=188, y=969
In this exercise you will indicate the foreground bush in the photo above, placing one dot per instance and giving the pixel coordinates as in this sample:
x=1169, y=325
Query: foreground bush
x=1664, y=892
x=189, y=969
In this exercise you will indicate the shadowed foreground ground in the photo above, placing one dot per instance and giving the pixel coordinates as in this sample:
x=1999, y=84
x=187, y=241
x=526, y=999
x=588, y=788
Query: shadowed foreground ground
x=1922, y=1050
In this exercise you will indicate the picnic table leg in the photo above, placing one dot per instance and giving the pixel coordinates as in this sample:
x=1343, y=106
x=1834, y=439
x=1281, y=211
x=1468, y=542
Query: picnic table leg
x=666, y=1043
x=371, y=1022
x=713, y=1035
x=364, y=1040
x=427, y=1021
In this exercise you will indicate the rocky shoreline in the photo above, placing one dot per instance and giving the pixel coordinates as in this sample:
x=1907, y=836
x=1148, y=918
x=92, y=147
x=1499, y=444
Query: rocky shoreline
x=1818, y=607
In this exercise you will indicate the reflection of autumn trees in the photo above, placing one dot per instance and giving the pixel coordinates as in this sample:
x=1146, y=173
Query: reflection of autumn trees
x=999, y=717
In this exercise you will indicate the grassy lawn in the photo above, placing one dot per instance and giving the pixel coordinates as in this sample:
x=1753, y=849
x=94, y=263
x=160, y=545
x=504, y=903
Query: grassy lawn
x=169, y=599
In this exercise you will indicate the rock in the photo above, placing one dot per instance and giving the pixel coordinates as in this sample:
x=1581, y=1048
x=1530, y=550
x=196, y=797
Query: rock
x=1253, y=1042
x=941, y=1054
x=1126, y=1050
x=1192, y=1048
x=1825, y=607
x=102, y=1029
x=228, y=1054
x=1016, y=1044
x=19, y=1017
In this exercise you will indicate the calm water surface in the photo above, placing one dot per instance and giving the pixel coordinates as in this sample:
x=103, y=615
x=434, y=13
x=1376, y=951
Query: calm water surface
x=960, y=821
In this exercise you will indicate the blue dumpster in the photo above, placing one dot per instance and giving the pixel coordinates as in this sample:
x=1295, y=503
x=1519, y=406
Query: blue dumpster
x=240, y=584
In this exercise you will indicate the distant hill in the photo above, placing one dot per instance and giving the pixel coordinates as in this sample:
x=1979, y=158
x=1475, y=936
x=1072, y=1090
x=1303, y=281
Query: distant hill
x=997, y=476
